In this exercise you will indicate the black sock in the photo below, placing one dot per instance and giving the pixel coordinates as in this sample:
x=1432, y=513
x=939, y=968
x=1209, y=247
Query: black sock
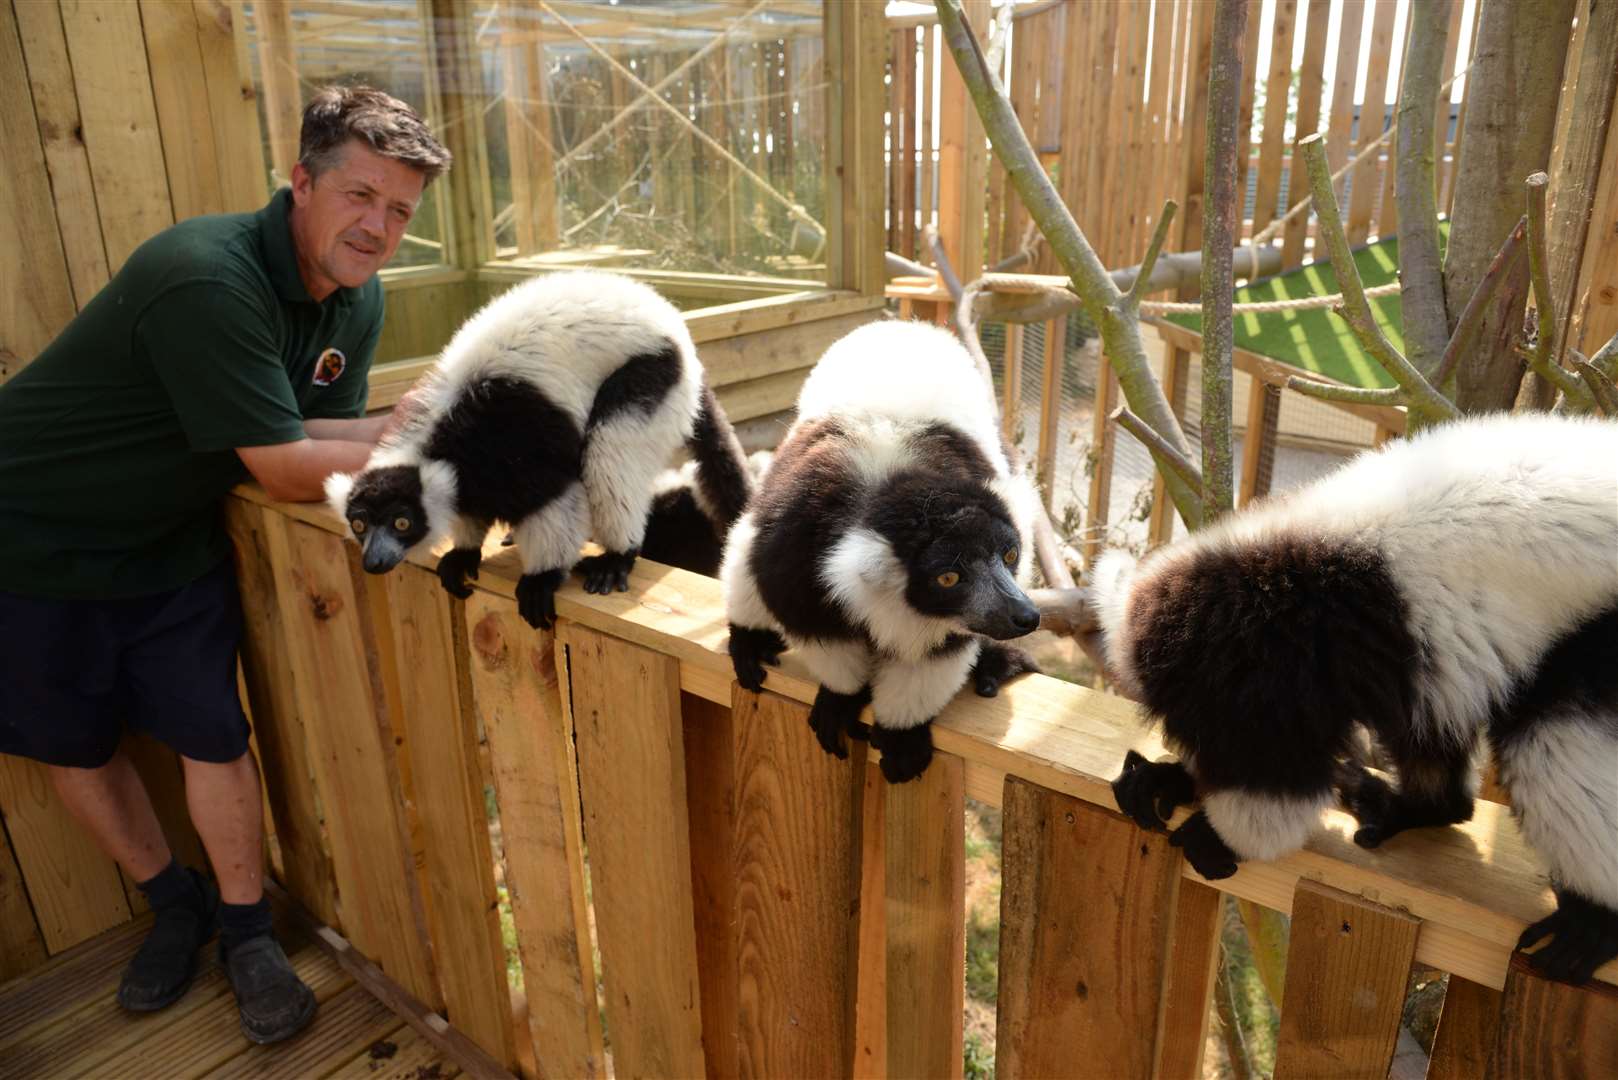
x=239, y=922
x=170, y=886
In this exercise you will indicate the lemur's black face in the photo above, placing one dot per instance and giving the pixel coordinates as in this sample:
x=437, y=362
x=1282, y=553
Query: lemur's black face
x=961, y=552
x=386, y=515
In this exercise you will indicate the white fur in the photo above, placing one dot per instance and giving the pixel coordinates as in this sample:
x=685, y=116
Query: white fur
x=1259, y=825
x=1563, y=780
x=841, y=666
x=551, y=537
x=743, y=604
x=867, y=580
x=911, y=692
x=338, y=487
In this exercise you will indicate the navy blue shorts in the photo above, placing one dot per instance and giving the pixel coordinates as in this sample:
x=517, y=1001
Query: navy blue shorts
x=75, y=674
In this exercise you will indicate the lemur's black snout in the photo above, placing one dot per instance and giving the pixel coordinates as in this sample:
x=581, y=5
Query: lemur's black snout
x=1026, y=618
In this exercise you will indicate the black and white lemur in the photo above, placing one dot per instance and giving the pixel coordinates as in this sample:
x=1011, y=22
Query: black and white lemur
x=886, y=544
x=1457, y=587
x=553, y=410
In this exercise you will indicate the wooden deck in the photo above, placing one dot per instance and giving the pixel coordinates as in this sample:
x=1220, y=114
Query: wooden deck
x=61, y=1020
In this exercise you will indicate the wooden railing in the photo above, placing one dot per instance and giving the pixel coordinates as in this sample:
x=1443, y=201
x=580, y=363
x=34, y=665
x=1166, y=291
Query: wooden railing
x=764, y=909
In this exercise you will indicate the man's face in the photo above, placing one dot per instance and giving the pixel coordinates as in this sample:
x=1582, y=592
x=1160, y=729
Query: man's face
x=348, y=221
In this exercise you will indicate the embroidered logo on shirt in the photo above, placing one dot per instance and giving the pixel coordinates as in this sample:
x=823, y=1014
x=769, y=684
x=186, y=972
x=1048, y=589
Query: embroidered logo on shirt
x=329, y=367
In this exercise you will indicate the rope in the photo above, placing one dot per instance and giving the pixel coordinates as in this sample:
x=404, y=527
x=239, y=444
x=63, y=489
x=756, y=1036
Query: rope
x=1257, y=307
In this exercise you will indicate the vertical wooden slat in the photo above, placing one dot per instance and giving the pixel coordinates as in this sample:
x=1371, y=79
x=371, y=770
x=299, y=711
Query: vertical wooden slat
x=1087, y=110
x=870, y=1024
x=56, y=105
x=926, y=921
x=1244, y=122
x=1050, y=405
x=1157, y=148
x=1339, y=131
x=22, y=946
x=517, y=696
x=1277, y=88
x=796, y=869
x=962, y=164
x=928, y=178
x=338, y=681
x=1103, y=445
x=180, y=93
x=283, y=98
x=232, y=104
x=710, y=771
x=1595, y=309
x=1193, y=964
x=1120, y=190
x=1258, y=441
x=1027, y=73
x=625, y=707
x=895, y=129
x=855, y=98
x=1446, y=197
x=1366, y=179
x=1387, y=214
x=439, y=729
x=517, y=144
x=456, y=74
x=75, y=889
x=1552, y=1030
x=1466, y=1031
x=1085, y=906
x=1011, y=385
x=1309, y=91
x=1347, y=966
x=284, y=753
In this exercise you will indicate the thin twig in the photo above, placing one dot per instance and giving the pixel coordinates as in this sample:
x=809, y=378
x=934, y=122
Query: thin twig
x=1541, y=357
x=946, y=272
x=1049, y=551
x=1425, y=402
x=1167, y=458
x=1358, y=395
x=1606, y=358
x=1466, y=327
x=1143, y=275
x=1603, y=391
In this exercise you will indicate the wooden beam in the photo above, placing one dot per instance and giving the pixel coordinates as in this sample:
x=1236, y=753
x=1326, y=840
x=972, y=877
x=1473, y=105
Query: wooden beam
x=1466, y=1033
x=1549, y=1028
x=962, y=161
x=283, y=97
x=855, y=103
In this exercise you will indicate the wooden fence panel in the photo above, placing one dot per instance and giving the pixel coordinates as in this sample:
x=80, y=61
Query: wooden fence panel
x=180, y=93
x=1188, y=984
x=439, y=730
x=1310, y=89
x=625, y=708
x=1277, y=88
x=795, y=858
x=926, y=920
x=339, y=688
x=1348, y=962
x=1554, y=1031
x=266, y=661
x=1466, y=1031
x=1082, y=969
x=233, y=107
x=517, y=695
x=710, y=771
x=22, y=946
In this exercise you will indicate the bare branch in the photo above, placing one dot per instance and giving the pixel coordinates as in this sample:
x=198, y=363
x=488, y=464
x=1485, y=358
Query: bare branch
x=1425, y=402
x=1049, y=551
x=1143, y=274
x=1471, y=319
x=899, y=266
x=1168, y=459
x=1421, y=270
x=1065, y=610
x=1357, y=395
x=1603, y=391
x=946, y=272
x=1606, y=358
x=1542, y=358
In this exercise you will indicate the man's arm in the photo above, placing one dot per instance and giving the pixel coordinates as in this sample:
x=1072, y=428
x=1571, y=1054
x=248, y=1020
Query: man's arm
x=297, y=471
x=366, y=429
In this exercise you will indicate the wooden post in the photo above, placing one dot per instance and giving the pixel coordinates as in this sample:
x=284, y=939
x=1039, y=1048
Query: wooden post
x=855, y=42
x=1549, y=1028
x=1193, y=966
x=1258, y=444
x=456, y=73
x=1277, y=88
x=624, y=703
x=1050, y=406
x=22, y=946
x=1085, y=907
x=1366, y=179
x=1011, y=384
x=1339, y=144
x=1466, y=1031
x=1309, y=92
x=283, y=98
x=870, y=1024
x=926, y=921
x=1347, y=966
x=962, y=161
x=517, y=696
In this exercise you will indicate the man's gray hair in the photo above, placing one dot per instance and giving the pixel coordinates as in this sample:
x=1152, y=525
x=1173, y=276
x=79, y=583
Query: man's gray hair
x=393, y=129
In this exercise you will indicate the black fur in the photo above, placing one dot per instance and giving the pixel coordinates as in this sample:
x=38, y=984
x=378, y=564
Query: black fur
x=1383, y=811
x=750, y=650
x=455, y=566
x=722, y=472
x=536, y=598
x=1150, y=791
x=512, y=448
x=1586, y=936
x=608, y=572
x=1204, y=850
x=997, y=665
x=1579, y=675
x=833, y=714
x=905, y=753
x=639, y=385
x=679, y=534
x=382, y=496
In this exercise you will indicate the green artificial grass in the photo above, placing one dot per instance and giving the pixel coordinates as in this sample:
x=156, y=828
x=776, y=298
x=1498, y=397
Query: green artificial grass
x=1315, y=339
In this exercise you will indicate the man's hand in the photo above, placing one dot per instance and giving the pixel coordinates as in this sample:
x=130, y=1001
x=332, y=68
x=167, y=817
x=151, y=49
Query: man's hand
x=297, y=471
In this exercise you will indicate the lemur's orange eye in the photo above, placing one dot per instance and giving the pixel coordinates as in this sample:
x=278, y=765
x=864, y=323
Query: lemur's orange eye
x=401, y=524
x=949, y=579
x=1011, y=557
x=358, y=525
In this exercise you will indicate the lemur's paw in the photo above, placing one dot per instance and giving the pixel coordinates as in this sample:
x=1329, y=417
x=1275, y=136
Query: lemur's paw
x=752, y=648
x=536, y=598
x=905, y=754
x=1151, y=791
x=832, y=714
x=1374, y=804
x=608, y=572
x=1204, y=850
x=997, y=665
x=455, y=566
x=1584, y=935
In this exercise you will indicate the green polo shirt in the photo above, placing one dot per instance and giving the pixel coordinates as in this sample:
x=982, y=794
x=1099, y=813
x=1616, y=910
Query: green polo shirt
x=117, y=442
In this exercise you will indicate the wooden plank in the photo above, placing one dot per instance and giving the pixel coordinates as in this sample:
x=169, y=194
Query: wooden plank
x=925, y=868
x=232, y=105
x=1553, y=1030
x=1365, y=181
x=962, y=164
x=1347, y=966
x=399, y=1055
x=284, y=752
x=1086, y=110
x=75, y=889
x=796, y=873
x=1339, y=130
x=283, y=100
x=120, y=124
x=870, y=1026
x=1050, y=406
x=761, y=397
x=180, y=93
x=439, y=730
x=1188, y=982
x=345, y=1026
x=1387, y=215
x=1103, y=447
x=1595, y=311
x=1011, y=384
x=340, y=691
x=1081, y=966
x=927, y=178
x=1258, y=441
x=769, y=352
x=454, y=77
x=1310, y=87
x=86, y=972
x=22, y=946
x=518, y=699
x=56, y=105
x=855, y=99
x=1122, y=188
x=710, y=768
x=625, y=708
x=1466, y=1031
x=1446, y=198
x=1244, y=121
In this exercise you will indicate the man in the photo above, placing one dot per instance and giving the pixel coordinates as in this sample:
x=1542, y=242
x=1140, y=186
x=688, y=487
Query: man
x=227, y=345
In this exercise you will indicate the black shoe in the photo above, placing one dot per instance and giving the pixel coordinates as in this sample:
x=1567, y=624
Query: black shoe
x=162, y=970
x=275, y=1004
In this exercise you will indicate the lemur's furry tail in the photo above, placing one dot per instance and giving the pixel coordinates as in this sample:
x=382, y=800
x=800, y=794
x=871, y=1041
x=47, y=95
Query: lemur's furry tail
x=723, y=482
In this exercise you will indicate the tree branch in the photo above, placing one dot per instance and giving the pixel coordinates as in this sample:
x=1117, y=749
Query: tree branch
x=1466, y=327
x=1356, y=395
x=1603, y=391
x=1168, y=459
x=1542, y=357
x=1421, y=270
x=1425, y=403
x=1143, y=274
